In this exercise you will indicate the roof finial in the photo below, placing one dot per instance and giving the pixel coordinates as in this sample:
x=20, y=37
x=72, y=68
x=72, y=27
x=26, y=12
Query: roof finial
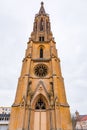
x=42, y=3
x=42, y=10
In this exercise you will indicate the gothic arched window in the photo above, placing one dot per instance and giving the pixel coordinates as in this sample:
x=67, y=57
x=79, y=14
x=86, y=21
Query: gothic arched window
x=47, y=26
x=41, y=25
x=40, y=104
x=41, y=52
x=35, y=26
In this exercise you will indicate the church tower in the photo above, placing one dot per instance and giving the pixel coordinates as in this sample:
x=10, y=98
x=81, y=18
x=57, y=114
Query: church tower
x=40, y=101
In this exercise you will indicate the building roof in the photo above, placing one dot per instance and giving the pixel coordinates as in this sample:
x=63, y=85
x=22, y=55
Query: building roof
x=83, y=117
x=5, y=110
x=80, y=117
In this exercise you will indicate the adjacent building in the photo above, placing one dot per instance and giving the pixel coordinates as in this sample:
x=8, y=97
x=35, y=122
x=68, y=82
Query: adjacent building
x=81, y=122
x=4, y=117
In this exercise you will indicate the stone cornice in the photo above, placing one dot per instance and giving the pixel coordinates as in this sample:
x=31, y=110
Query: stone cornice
x=41, y=59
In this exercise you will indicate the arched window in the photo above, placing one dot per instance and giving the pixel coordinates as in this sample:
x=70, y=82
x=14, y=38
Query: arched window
x=35, y=26
x=41, y=39
x=41, y=25
x=47, y=26
x=41, y=52
x=40, y=104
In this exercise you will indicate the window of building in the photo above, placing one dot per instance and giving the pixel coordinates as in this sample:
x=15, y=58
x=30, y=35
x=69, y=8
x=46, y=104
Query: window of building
x=40, y=104
x=41, y=39
x=41, y=52
x=41, y=25
x=41, y=70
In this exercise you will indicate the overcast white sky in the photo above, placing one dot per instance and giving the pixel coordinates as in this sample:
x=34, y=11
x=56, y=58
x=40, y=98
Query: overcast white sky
x=69, y=26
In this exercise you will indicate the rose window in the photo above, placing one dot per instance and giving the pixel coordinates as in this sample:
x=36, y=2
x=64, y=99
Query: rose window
x=41, y=70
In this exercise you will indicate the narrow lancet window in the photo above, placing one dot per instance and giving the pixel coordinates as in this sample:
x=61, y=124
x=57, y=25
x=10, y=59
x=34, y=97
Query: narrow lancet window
x=41, y=39
x=35, y=26
x=41, y=52
x=41, y=25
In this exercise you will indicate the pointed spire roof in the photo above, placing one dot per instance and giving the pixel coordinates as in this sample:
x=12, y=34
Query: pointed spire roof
x=42, y=10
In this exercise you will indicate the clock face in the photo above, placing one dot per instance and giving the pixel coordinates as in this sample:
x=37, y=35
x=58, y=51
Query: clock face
x=41, y=70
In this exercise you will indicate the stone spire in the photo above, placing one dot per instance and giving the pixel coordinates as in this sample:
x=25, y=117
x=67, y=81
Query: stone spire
x=42, y=10
x=41, y=28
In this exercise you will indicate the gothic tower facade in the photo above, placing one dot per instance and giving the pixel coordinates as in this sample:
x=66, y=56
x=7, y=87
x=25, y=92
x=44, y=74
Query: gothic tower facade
x=40, y=101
